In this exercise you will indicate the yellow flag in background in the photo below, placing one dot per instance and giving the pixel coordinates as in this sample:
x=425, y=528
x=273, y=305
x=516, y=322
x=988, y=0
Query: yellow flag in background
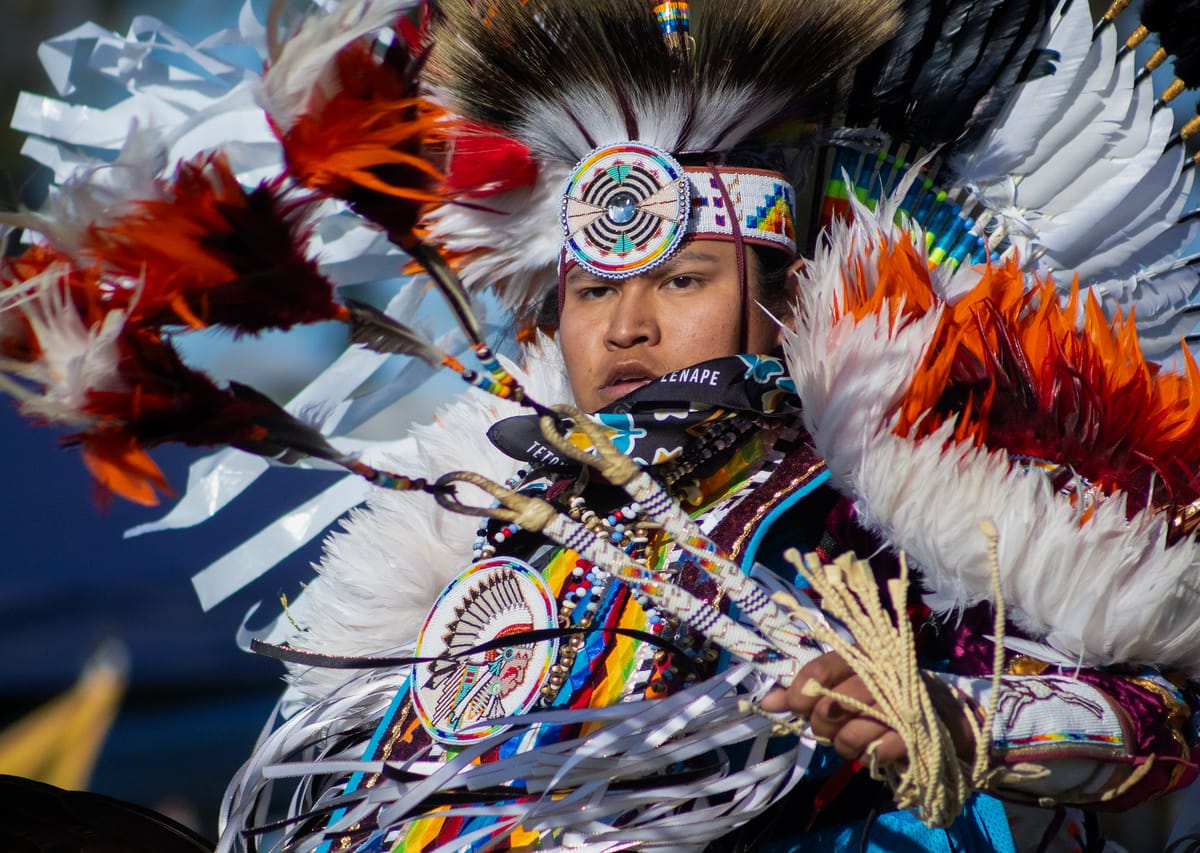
x=59, y=742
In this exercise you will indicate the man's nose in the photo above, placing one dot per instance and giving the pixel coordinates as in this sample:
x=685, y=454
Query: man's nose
x=634, y=320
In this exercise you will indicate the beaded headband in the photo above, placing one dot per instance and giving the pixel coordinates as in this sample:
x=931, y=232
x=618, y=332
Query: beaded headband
x=627, y=207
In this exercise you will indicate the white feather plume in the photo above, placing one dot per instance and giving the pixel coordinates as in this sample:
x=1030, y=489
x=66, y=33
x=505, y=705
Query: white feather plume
x=380, y=575
x=1101, y=591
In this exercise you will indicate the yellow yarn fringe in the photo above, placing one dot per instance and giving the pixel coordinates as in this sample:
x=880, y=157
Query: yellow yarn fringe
x=934, y=781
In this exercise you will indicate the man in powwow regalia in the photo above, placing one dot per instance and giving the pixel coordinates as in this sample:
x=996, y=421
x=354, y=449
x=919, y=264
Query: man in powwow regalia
x=794, y=283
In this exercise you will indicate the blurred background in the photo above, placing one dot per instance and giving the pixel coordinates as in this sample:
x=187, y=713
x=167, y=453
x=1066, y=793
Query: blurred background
x=185, y=705
x=73, y=590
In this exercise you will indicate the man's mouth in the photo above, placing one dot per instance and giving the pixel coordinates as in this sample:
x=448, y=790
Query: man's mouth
x=626, y=378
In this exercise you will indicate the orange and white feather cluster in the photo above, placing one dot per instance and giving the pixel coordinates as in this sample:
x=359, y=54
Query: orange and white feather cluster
x=128, y=254
x=941, y=399
x=125, y=255
x=348, y=112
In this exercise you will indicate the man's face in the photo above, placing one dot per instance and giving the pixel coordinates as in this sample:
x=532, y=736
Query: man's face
x=619, y=335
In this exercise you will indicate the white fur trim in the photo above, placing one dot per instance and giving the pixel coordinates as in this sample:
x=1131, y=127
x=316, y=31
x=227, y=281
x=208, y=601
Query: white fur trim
x=381, y=573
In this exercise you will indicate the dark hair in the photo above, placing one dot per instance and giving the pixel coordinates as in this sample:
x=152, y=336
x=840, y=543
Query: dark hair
x=769, y=286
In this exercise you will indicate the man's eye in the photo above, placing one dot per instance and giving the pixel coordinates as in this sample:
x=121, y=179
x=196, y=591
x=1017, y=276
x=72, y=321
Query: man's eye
x=589, y=293
x=682, y=282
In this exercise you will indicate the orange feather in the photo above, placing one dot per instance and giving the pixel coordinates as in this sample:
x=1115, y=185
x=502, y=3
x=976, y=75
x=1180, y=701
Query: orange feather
x=123, y=467
x=367, y=142
x=1049, y=381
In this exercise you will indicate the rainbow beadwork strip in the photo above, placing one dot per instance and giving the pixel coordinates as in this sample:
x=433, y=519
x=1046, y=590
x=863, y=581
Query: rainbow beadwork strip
x=673, y=17
x=764, y=204
x=952, y=237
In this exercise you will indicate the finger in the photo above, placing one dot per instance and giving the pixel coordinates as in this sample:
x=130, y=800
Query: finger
x=775, y=702
x=886, y=751
x=823, y=727
x=834, y=710
x=828, y=670
x=857, y=736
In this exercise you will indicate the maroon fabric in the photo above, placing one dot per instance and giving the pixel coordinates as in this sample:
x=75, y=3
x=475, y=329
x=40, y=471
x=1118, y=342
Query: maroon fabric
x=795, y=471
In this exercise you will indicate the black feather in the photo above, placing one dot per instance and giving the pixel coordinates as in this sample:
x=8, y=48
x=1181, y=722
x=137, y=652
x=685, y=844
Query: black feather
x=380, y=333
x=1177, y=25
x=511, y=63
x=951, y=69
x=278, y=434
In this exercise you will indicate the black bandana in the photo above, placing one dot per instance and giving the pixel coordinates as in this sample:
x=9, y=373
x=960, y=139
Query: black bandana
x=657, y=422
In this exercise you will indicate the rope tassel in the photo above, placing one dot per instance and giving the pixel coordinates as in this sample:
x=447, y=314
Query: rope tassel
x=934, y=781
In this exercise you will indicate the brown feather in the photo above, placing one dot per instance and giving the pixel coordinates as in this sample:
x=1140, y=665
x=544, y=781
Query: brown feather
x=570, y=74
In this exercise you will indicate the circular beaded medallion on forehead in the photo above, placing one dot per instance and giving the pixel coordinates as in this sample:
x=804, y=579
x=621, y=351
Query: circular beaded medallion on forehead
x=625, y=209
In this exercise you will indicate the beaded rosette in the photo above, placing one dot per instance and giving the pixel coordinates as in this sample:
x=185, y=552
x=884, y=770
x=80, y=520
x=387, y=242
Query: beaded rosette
x=465, y=687
x=627, y=207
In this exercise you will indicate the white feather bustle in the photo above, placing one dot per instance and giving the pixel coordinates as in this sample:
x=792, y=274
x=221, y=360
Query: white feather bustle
x=1104, y=591
x=1079, y=176
x=381, y=573
x=511, y=239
